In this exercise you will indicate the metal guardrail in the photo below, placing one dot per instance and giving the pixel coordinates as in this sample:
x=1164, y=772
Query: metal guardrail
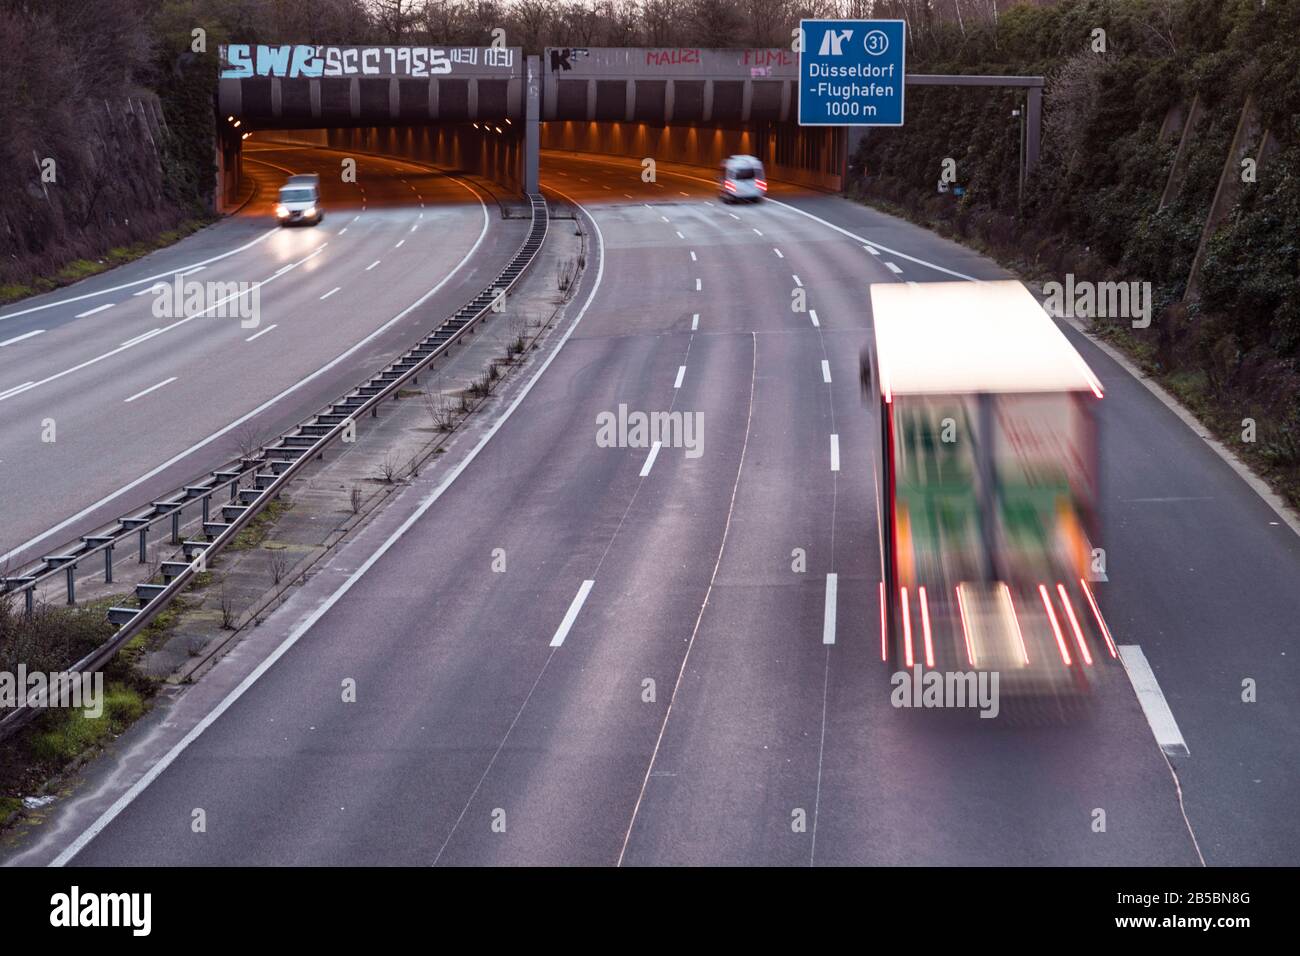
x=271, y=469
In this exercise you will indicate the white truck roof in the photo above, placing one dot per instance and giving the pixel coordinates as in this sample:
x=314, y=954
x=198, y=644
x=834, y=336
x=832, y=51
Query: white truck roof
x=950, y=338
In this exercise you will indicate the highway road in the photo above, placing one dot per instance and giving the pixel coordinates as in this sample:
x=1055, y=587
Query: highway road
x=506, y=718
x=134, y=385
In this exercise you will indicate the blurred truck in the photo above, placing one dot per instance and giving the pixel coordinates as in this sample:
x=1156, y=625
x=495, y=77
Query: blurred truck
x=987, y=486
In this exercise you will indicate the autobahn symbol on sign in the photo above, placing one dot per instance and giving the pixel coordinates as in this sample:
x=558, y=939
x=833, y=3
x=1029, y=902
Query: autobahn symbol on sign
x=851, y=73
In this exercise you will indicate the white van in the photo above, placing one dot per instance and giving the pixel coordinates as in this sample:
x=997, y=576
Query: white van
x=300, y=200
x=743, y=180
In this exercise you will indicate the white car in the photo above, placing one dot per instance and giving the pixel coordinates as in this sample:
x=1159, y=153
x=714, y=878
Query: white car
x=300, y=201
x=743, y=180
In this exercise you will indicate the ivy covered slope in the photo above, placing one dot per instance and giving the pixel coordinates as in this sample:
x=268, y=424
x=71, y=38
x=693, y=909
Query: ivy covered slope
x=108, y=121
x=1093, y=208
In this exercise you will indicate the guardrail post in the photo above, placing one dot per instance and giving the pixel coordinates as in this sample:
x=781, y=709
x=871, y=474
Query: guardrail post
x=72, y=582
x=207, y=507
x=144, y=545
x=108, y=565
x=29, y=600
x=234, y=490
x=176, y=526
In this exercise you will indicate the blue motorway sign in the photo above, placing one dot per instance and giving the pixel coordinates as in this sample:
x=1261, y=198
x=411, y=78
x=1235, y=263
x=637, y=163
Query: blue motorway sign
x=851, y=73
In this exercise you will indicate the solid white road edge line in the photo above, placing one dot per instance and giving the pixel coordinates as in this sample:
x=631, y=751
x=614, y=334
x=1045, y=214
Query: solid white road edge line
x=126, y=285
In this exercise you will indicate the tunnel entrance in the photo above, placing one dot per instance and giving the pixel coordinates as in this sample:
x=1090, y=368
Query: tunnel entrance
x=459, y=107
x=489, y=111
x=687, y=105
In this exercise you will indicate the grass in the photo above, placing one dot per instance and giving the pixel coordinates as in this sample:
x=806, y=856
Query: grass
x=9, y=805
x=260, y=526
x=70, y=733
x=79, y=269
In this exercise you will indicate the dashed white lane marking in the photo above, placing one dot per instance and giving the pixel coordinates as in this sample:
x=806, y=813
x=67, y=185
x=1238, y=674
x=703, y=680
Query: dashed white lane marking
x=778, y=252
x=812, y=314
x=695, y=322
x=679, y=234
x=343, y=230
x=572, y=614
x=415, y=227
x=99, y=308
x=698, y=285
x=665, y=219
x=757, y=232
x=1152, y=699
x=828, y=621
x=140, y=338
x=400, y=243
x=19, y=338
x=796, y=280
x=694, y=257
x=331, y=292
x=871, y=249
x=650, y=459
x=629, y=195
x=835, y=453
x=733, y=216
x=681, y=373
x=261, y=333
x=893, y=268
x=687, y=195
x=151, y=388
x=826, y=371
x=373, y=264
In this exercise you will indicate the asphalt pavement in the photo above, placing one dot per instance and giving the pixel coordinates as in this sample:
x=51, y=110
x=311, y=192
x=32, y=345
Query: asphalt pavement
x=652, y=678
